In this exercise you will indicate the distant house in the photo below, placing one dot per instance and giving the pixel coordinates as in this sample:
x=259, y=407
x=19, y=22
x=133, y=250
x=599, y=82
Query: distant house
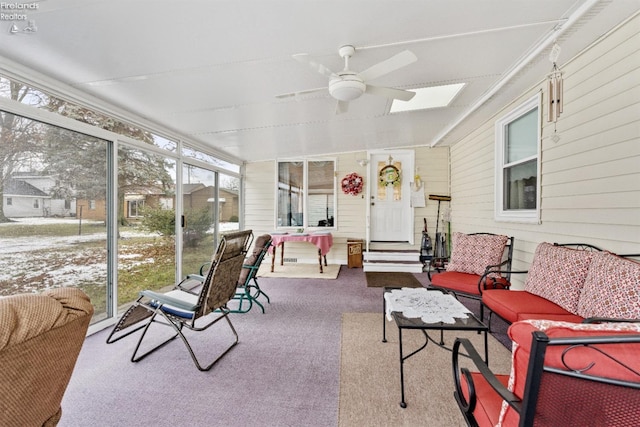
x=95, y=209
x=195, y=197
x=200, y=196
x=29, y=195
x=135, y=202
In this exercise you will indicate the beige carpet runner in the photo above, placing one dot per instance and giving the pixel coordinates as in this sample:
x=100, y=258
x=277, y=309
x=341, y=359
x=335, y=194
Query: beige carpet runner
x=299, y=271
x=370, y=375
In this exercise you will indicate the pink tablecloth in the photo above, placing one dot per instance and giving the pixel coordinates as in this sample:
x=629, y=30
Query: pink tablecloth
x=322, y=241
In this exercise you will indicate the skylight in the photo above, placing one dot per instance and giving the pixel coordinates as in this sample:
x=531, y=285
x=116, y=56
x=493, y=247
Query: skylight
x=428, y=97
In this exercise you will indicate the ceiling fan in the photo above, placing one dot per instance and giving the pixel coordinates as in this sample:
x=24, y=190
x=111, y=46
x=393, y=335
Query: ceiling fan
x=347, y=85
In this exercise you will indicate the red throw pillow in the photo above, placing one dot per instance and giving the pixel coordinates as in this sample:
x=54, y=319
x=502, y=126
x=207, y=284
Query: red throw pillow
x=472, y=253
x=558, y=273
x=611, y=289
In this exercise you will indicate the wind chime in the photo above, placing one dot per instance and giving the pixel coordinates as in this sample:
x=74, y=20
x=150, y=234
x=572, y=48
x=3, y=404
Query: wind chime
x=554, y=87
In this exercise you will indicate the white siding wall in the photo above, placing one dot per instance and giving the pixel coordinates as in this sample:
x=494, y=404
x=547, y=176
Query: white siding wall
x=590, y=183
x=432, y=164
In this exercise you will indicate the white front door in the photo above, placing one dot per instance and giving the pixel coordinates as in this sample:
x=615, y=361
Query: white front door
x=391, y=215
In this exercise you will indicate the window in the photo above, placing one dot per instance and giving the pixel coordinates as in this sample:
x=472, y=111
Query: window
x=306, y=194
x=135, y=208
x=92, y=205
x=9, y=201
x=518, y=164
x=36, y=203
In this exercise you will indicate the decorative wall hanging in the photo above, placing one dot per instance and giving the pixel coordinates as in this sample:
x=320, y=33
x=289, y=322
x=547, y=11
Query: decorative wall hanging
x=554, y=87
x=389, y=175
x=352, y=184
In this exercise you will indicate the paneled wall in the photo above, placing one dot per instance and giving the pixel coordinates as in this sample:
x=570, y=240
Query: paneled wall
x=432, y=164
x=590, y=183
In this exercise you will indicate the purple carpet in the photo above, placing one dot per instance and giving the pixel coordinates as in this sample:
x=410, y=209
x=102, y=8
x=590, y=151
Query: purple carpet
x=284, y=371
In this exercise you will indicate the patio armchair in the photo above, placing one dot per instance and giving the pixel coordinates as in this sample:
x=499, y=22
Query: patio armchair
x=40, y=339
x=476, y=263
x=562, y=374
x=191, y=300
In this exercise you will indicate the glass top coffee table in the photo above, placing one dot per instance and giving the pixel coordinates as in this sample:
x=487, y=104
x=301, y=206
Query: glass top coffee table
x=424, y=309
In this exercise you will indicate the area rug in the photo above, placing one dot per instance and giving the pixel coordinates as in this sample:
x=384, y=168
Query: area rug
x=370, y=375
x=299, y=271
x=382, y=279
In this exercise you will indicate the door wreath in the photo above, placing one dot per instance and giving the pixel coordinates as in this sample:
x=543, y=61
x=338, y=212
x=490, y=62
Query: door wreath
x=389, y=175
x=352, y=184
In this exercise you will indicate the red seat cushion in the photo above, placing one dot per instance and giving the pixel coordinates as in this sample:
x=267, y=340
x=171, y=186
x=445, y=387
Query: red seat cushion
x=567, y=317
x=521, y=335
x=489, y=403
x=510, y=304
x=457, y=282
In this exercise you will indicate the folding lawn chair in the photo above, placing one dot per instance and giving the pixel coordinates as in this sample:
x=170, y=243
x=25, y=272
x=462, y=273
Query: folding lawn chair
x=190, y=300
x=248, y=288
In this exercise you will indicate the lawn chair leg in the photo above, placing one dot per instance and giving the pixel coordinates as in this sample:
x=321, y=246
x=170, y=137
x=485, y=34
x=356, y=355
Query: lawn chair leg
x=260, y=292
x=144, y=332
x=193, y=355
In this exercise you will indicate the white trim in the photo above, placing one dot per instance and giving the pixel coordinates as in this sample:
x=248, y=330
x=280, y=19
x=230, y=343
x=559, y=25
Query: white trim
x=528, y=215
x=552, y=37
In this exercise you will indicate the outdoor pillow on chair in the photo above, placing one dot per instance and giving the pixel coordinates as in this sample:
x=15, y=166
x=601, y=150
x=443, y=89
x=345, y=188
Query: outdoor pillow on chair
x=472, y=253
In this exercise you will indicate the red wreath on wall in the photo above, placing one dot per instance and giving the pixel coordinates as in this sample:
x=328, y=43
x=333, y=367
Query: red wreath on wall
x=352, y=184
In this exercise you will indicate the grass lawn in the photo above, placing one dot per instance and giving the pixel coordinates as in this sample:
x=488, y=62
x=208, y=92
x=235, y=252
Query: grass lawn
x=35, y=257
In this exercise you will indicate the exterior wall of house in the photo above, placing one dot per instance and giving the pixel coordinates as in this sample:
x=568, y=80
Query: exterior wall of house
x=229, y=209
x=432, y=164
x=98, y=212
x=590, y=177
x=18, y=206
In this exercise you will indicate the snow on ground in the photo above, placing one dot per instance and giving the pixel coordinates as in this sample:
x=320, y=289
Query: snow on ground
x=35, y=263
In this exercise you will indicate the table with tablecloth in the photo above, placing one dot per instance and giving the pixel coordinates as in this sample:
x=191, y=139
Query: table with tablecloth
x=323, y=241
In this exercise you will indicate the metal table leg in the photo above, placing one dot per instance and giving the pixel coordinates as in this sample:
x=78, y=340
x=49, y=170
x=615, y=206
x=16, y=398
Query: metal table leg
x=403, y=404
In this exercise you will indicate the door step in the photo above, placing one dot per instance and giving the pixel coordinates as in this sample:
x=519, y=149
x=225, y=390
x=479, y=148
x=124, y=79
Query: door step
x=407, y=261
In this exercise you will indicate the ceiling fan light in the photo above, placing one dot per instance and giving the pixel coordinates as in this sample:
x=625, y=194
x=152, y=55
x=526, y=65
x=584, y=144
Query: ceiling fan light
x=346, y=88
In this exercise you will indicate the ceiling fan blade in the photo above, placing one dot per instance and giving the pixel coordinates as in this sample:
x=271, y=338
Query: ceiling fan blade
x=342, y=107
x=304, y=58
x=300, y=93
x=389, y=92
x=398, y=61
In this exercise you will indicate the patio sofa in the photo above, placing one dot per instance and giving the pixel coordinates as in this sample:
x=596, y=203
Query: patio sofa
x=40, y=339
x=570, y=282
x=562, y=374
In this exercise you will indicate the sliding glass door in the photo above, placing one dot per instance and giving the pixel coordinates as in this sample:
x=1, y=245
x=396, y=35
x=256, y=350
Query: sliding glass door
x=53, y=215
x=208, y=198
x=146, y=223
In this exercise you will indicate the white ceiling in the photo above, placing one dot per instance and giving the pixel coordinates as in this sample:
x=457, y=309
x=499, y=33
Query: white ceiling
x=211, y=69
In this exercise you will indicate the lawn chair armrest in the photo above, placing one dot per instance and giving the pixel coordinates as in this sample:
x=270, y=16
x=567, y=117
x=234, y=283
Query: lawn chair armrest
x=204, y=268
x=469, y=406
x=164, y=299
